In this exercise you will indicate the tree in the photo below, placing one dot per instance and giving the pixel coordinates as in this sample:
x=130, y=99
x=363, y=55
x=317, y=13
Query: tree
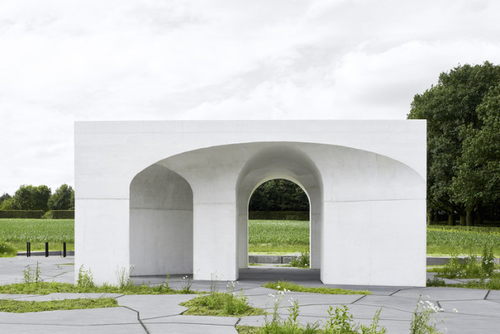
x=477, y=184
x=450, y=109
x=63, y=198
x=28, y=197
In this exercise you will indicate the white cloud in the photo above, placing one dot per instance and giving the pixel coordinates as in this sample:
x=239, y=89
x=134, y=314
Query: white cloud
x=63, y=61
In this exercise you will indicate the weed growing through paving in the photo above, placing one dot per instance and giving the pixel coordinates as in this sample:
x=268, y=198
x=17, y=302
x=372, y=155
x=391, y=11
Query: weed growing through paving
x=339, y=321
x=32, y=275
x=424, y=318
x=225, y=304
x=303, y=261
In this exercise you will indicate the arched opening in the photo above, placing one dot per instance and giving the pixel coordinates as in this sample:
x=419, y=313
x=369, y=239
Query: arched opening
x=161, y=223
x=279, y=224
x=280, y=161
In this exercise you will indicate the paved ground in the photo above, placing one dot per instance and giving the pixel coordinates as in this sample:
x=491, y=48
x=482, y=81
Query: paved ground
x=478, y=310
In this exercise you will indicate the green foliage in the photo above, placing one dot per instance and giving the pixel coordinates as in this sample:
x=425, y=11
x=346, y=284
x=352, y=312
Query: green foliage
x=222, y=304
x=34, y=230
x=85, y=279
x=288, y=286
x=339, y=321
x=303, y=261
x=279, y=195
x=470, y=267
x=17, y=306
x=59, y=214
x=62, y=199
x=424, y=318
x=28, y=197
x=7, y=250
x=32, y=275
x=21, y=214
x=452, y=109
x=6, y=202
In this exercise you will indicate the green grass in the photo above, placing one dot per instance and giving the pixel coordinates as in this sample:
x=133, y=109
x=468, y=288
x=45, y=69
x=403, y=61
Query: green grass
x=461, y=240
x=221, y=304
x=7, y=250
x=278, y=236
x=16, y=306
x=282, y=285
x=45, y=288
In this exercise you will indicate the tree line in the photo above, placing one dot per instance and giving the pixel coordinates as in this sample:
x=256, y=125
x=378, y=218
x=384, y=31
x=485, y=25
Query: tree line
x=463, y=144
x=29, y=197
x=279, y=195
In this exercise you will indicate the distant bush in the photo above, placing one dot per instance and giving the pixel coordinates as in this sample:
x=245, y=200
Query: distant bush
x=60, y=214
x=21, y=214
x=279, y=215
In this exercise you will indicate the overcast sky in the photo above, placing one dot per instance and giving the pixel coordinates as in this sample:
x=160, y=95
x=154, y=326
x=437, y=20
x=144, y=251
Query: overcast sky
x=64, y=61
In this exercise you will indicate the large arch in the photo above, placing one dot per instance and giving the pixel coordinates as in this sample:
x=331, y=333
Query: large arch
x=279, y=161
x=172, y=197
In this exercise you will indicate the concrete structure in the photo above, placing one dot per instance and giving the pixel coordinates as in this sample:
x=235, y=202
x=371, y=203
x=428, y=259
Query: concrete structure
x=172, y=196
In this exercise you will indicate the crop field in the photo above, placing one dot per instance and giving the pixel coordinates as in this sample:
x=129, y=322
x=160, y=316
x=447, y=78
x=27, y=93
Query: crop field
x=17, y=232
x=462, y=240
x=278, y=236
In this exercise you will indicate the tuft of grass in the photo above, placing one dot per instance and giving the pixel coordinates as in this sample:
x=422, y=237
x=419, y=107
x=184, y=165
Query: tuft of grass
x=221, y=304
x=285, y=285
x=17, y=306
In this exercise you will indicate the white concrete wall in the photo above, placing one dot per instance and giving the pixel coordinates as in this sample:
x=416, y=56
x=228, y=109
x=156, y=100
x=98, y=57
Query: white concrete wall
x=366, y=181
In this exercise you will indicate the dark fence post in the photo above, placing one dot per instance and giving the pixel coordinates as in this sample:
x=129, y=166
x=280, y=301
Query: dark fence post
x=46, y=249
x=64, y=249
x=28, y=249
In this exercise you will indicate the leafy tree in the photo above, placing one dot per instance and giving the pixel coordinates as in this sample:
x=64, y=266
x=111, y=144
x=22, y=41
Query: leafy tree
x=7, y=204
x=450, y=109
x=279, y=195
x=63, y=198
x=477, y=184
x=28, y=197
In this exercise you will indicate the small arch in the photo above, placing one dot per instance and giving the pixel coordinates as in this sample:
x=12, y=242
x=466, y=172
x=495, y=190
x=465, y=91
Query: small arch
x=279, y=161
x=161, y=223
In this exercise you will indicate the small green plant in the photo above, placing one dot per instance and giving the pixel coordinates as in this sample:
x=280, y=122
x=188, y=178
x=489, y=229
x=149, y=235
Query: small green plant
x=186, y=285
x=303, y=261
x=32, y=275
x=488, y=261
x=123, y=276
x=85, y=279
x=436, y=282
x=424, y=318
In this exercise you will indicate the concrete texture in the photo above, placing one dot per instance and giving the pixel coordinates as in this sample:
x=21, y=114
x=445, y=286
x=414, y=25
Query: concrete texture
x=478, y=310
x=172, y=196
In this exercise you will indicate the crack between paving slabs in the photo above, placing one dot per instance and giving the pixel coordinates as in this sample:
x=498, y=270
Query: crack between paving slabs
x=138, y=318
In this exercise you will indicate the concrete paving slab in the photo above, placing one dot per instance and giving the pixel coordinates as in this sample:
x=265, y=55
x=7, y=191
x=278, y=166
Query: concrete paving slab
x=484, y=308
x=154, y=306
x=193, y=319
x=442, y=294
x=396, y=302
x=266, y=301
x=103, y=316
x=78, y=329
x=494, y=295
x=190, y=329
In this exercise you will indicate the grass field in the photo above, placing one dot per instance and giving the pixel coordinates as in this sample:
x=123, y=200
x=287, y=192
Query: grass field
x=265, y=236
x=17, y=232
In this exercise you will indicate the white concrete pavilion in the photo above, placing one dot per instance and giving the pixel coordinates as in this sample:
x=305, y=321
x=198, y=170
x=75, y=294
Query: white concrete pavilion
x=171, y=197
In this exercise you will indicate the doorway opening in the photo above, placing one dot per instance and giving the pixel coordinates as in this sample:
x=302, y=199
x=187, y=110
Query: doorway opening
x=279, y=225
